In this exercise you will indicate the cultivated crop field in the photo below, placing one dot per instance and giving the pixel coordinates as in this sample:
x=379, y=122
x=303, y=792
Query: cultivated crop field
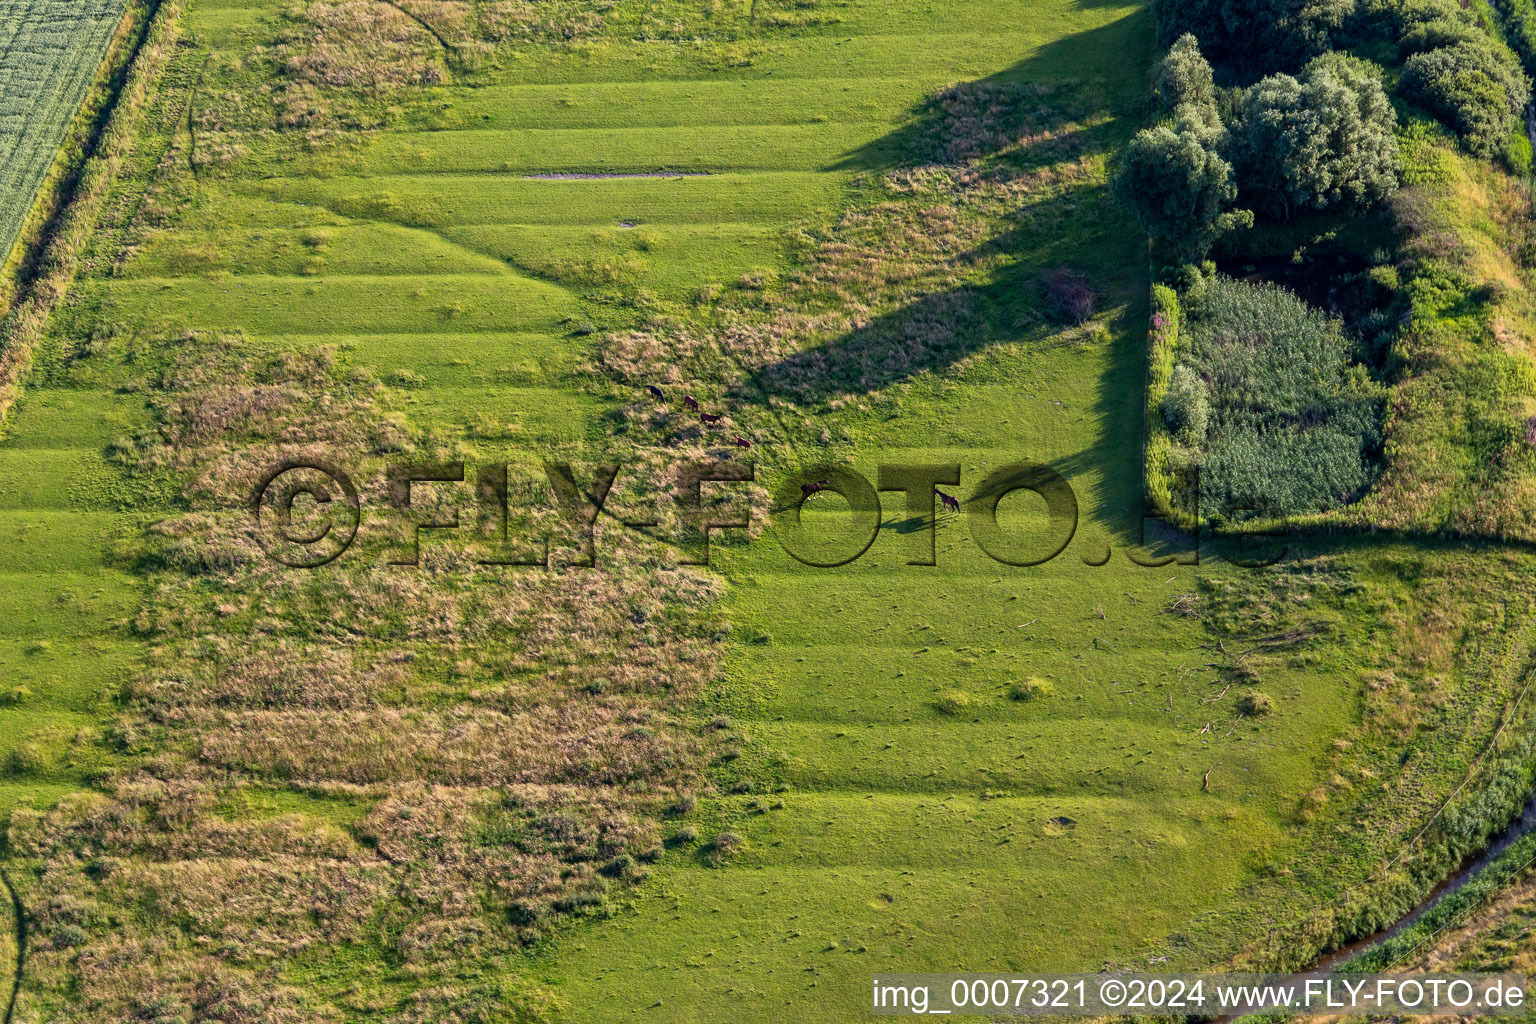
x=49, y=52
x=862, y=234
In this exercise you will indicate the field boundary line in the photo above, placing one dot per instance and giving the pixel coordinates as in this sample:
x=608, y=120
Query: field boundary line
x=53, y=190
x=23, y=326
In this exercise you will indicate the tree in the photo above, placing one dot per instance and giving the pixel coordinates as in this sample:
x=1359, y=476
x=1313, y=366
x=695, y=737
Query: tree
x=1422, y=25
x=1324, y=141
x=1265, y=35
x=1179, y=186
x=1475, y=87
x=1436, y=33
x=1184, y=77
x=1187, y=405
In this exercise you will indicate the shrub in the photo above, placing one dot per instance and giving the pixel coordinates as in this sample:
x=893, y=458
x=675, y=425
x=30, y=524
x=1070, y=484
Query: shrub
x=29, y=759
x=1187, y=406
x=585, y=899
x=1474, y=86
x=1242, y=672
x=1184, y=77
x=1434, y=33
x=524, y=913
x=1069, y=295
x=69, y=936
x=1255, y=702
x=1518, y=152
x=1519, y=18
x=954, y=702
x=1417, y=26
x=622, y=866
x=1033, y=688
x=725, y=845
x=1325, y=140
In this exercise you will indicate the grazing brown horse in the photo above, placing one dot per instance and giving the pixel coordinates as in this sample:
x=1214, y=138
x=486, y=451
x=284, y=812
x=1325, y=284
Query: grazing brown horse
x=691, y=402
x=709, y=417
x=810, y=490
x=949, y=500
x=656, y=391
x=742, y=442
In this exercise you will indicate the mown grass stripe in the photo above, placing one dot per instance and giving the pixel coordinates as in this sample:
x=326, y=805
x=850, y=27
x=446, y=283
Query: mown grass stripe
x=616, y=151
x=678, y=103
x=459, y=200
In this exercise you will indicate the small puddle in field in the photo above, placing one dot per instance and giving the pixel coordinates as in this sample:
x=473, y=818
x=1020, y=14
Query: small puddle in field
x=1470, y=869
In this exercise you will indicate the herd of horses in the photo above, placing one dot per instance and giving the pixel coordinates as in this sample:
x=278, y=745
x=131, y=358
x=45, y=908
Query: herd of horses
x=708, y=419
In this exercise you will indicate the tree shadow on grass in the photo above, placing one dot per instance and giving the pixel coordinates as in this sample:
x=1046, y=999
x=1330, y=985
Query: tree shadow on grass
x=1082, y=69
x=1006, y=126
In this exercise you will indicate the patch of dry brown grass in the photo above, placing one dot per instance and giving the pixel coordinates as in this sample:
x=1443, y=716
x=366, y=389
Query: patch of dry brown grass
x=512, y=736
x=529, y=20
x=358, y=44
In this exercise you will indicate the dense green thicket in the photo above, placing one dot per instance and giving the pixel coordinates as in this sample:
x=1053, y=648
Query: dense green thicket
x=1263, y=35
x=1474, y=87
x=1280, y=418
x=1518, y=18
x=1454, y=63
x=1457, y=67
x=1322, y=141
x=1266, y=400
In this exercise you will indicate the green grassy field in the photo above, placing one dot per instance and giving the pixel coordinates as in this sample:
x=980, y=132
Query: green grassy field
x=901, y=808
x=49, y=52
